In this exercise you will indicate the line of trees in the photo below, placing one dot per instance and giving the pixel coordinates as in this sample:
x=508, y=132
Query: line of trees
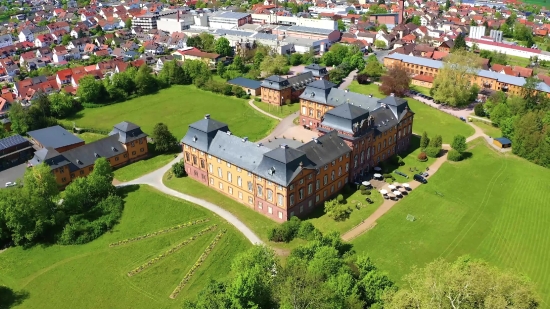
x=326, y=273
x=35, y=211
x=345, y=59
x=524, y=119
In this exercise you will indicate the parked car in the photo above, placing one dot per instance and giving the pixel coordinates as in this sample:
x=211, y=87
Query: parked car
x=420, y=179
x=10, y=184
x=462, y=118
x=425, y=175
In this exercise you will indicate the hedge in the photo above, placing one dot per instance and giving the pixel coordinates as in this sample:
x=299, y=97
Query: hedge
x=454, y=155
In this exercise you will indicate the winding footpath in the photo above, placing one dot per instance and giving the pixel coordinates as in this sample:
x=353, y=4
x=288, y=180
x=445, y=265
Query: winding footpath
x=154, y=179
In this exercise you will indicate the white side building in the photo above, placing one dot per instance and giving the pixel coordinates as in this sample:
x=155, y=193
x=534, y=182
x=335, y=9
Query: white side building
x=175, y=22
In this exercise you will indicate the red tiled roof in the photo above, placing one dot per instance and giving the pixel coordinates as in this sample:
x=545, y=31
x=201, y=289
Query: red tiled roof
x=423, y=78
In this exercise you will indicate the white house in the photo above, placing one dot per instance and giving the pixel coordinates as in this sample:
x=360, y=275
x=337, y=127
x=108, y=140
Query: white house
x=26, y=35
x=6, y=40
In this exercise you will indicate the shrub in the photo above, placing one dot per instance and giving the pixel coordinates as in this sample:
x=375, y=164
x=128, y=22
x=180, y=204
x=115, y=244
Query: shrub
x=479, y=110
x=459, y=143
x=258, y=99
x=307, y=231
x=286, y=231
x=422, y=157
x=437, y=141
x=367, y=192
x=387, y=176
x=424, y=140
x=390, y=180
x=362, y=79
x=340, y=198
x=432, y=152
x=454, y=155
x=337, y=211
x=363, y=187
x=364, y=192
x=178, y=169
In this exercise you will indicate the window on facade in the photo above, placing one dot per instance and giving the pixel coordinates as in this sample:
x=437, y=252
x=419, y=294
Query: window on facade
x=220, y=173
x=240, y=195
x=238, y=169
x=260, y=190
x=325, y=180
x=355, y=161
x=134, y=153
x=239, y=181
x=379, y=146
x=317, y=198
x=318, y=114
x=310, y=112
x=317, y=184
x=116, y=158
x=347, y=167
x=221, y=185
x=292, y=199
x=309, y=188
x=332, y=174
x=211, y=181
x=81, y=172
x=228, y=164
x=339, y=184
x=132, y=144
x=210, y=167
x=269, y=195
x=304, y=110
x=229, y=177
x=333, y=162
x=301, y=209
x=310, y=176
x=384, y=143
x=202, y=163
x=195, y=160
x=332, y=189
x=230, y=190
x=301, y=193
x=362, y=157
x=301, y=181
x=291, y=187
x=250, y=200
x=250, y=186
x=325, y=194
x=280, y=199
x=142, y=149
x=339, y=171
x=270, y=210
x=280, y=214
x=91, y=168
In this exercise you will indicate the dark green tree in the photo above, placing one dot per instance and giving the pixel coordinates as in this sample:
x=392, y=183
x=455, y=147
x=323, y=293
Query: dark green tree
x=145, y=82
x=459, y=143
x=460, y=43
x=424, y=140
x=164, y=140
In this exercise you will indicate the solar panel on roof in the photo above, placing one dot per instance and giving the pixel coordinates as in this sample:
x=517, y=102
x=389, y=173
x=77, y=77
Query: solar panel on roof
x=12, y=141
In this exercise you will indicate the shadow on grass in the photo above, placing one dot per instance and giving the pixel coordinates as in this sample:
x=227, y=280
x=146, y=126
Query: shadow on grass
x=9, y=298
x=126, y=190
x=466, y=155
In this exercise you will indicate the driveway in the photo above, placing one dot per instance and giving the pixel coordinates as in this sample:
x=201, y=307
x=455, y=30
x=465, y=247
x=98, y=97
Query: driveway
x=12, y=174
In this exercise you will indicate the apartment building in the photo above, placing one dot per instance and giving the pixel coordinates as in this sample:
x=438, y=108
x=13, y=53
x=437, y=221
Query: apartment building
x=485, y=79
x=228, y=20
x=148, y=21
x=280, y=183
x=126, y=143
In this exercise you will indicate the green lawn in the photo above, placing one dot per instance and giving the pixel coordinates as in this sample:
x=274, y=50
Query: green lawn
x=426, y=118
x=519, y=61
x=423, y=90
x=489, y=129
x=177, y=107
x=279, y=111
x=326, y=224
x=89, y=137
x=493, y=206
x=95, y=275
x=142, y=167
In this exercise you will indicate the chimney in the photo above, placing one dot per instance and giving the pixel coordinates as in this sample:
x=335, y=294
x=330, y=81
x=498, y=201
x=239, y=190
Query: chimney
x=178, y=16
x=284, y=146
x=401, y=11
x=207, y=116
x=228, y=132
x=347, y=90
x=260, y=144
x=244, y=139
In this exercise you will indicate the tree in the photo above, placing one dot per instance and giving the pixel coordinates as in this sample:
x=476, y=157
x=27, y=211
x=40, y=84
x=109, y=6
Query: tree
x=208, y=42
x=61, y=104
x=416, y=20
x=66, y=39
x=459, y=143
x=295, y=59
x=90, y=90
x=128, y=23
x=222, y=47
x=173, y=74
x=373, y=68
x=464, y=283
x=196, y=68
x=337, y=211
x=396, y=81
x=103, y=168
x=479, y=110
x=195, y=41
x=460, y=43
x=274, y=65
x=164, y=140
x=258, y=59
x=380, y=44
x=447, y=5
x=178, y=169
x=437, y=141
x=124, y=81
x=452, y=84
x=145, y=81
x=341, y=25
x=424, y=140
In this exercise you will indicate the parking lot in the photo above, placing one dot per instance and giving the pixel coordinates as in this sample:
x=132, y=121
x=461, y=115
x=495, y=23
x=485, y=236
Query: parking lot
x=12, y=174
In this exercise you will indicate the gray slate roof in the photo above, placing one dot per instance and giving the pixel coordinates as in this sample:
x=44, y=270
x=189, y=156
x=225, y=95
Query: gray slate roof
x=316, y=70
x=127, y=132
x=86, y=155
x=245, y=82
x=51, y=157
x=297, y=81
x=237, y=151
x=201, y=133
x=282, y=165
x=325, y=149
x=55, y=137
x=11, y=141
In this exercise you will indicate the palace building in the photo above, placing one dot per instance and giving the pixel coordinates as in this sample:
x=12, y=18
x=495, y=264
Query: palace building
x=281, y=181
x=126, y=143
x=426, y=70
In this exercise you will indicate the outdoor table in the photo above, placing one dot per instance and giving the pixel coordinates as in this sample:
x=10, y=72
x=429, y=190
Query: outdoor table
x=378, y=169
x=377, y=175
x=384, y=192
x=366, y=183
x=392, y=187
x=406, y=185
x=396, y=192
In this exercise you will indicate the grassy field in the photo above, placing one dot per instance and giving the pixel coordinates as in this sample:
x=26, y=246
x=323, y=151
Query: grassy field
x=423, y=90
x=95, y=275
x=142, y=167
x=177, y=107
x=279, y=111
x=89, y=137
x=492, y=206
x=426, y=118
x=489, y=129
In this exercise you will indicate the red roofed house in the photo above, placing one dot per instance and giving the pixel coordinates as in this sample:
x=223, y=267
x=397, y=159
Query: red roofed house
x=422, y=80
x=195, y=54
x=43, y=40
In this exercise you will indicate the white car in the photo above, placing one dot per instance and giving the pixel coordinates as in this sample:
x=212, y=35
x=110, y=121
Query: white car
x=10, y=184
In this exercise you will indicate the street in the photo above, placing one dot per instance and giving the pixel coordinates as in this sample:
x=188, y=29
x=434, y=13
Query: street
x=12, y=174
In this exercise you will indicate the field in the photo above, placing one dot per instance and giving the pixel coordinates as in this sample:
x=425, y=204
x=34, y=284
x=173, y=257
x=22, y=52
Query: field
x=426, y=118
x=491, y=206
x=89, y=137
x=177, y=107
x=279, y=111
x=95, y=275
x=142, y=167
x=489, y=129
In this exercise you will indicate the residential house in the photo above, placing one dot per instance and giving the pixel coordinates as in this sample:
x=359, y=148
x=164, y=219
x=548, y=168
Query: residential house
x=43, y=40
x=195, y=54
x=5, y=40
x=278, y=90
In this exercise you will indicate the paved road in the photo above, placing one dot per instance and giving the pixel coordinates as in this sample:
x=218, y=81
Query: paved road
x=347, y=81
x=12, y=174
x=154, y=179
x=282, y=127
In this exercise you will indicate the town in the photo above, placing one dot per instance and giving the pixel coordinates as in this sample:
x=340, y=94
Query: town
x=363, y=150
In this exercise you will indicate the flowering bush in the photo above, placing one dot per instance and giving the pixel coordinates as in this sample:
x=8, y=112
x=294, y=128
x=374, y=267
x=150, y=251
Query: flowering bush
x=170, y=229
x=197, y=264
x=151, y=262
